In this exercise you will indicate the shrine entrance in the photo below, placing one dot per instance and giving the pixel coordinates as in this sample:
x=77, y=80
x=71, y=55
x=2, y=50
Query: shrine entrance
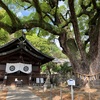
x=18, y=71
x=19, y=76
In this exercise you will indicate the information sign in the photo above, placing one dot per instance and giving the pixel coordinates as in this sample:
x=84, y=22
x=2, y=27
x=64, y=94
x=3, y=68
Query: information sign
x=71, y=82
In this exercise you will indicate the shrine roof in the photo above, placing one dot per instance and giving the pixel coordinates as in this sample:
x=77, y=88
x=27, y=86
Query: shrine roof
x=22, y=45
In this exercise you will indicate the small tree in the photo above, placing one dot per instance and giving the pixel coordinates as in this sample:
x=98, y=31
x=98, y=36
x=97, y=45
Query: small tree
x=63, y=71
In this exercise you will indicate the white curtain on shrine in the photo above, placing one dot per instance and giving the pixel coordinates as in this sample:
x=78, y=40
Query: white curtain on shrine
x=26, y=68
x=14, y=67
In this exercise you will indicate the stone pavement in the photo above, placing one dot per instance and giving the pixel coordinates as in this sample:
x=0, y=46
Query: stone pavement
x=21, y=93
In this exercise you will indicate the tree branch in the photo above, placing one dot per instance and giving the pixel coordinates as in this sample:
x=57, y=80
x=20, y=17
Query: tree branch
x=57, y=21
x=84, y=11
x=67, y=51
x=52, y=3
x=84, y=8
x=6, y=27
x=67, y=22
x=44, y=25
x=94, y=4
x=13, y=17
x=26, y=1
x=38, y=9
x=23, y=6
x=94, y=18
x=31, y=24
x=46, y=14
x=76, y=30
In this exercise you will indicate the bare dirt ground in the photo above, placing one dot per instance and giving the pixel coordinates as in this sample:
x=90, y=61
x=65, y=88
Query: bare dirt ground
x=61, y=93
x=3, y=94
x=65, y=94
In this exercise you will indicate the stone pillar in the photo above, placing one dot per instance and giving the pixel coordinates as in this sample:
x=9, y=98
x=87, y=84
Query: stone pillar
x=47, y=83
x=30, y=80
x=5, y=80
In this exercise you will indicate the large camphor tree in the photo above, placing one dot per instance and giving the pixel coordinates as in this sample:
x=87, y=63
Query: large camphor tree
x=76, y=23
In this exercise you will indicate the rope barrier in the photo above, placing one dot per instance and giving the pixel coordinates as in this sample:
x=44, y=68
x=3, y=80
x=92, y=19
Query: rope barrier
x=87, y=76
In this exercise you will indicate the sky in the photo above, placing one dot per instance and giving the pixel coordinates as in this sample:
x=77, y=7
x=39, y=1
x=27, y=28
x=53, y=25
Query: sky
x=57, y=43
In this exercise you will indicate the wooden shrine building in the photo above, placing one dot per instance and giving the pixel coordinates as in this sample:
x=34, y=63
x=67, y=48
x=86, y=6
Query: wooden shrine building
x=19, y=59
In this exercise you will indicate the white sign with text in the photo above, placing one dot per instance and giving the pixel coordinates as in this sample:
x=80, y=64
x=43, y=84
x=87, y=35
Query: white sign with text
x=71, y=82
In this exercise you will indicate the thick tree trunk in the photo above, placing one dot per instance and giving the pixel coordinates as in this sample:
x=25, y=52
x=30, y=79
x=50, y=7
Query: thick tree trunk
x=92, y=76
x=89, y=71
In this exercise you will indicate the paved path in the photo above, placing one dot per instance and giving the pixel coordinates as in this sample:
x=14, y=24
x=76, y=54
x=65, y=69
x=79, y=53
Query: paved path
x=21, y=93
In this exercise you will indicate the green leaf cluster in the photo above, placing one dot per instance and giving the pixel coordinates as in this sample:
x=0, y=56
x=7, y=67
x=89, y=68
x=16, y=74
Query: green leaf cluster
x=4, y=17
x=40, y=43
x=4, y=37
x=65, y=68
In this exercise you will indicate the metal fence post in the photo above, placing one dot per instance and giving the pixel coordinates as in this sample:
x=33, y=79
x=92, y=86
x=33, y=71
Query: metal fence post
x=72, y=92
x=61, y=93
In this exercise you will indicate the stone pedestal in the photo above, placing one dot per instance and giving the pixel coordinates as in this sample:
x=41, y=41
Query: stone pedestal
x=47, y=83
